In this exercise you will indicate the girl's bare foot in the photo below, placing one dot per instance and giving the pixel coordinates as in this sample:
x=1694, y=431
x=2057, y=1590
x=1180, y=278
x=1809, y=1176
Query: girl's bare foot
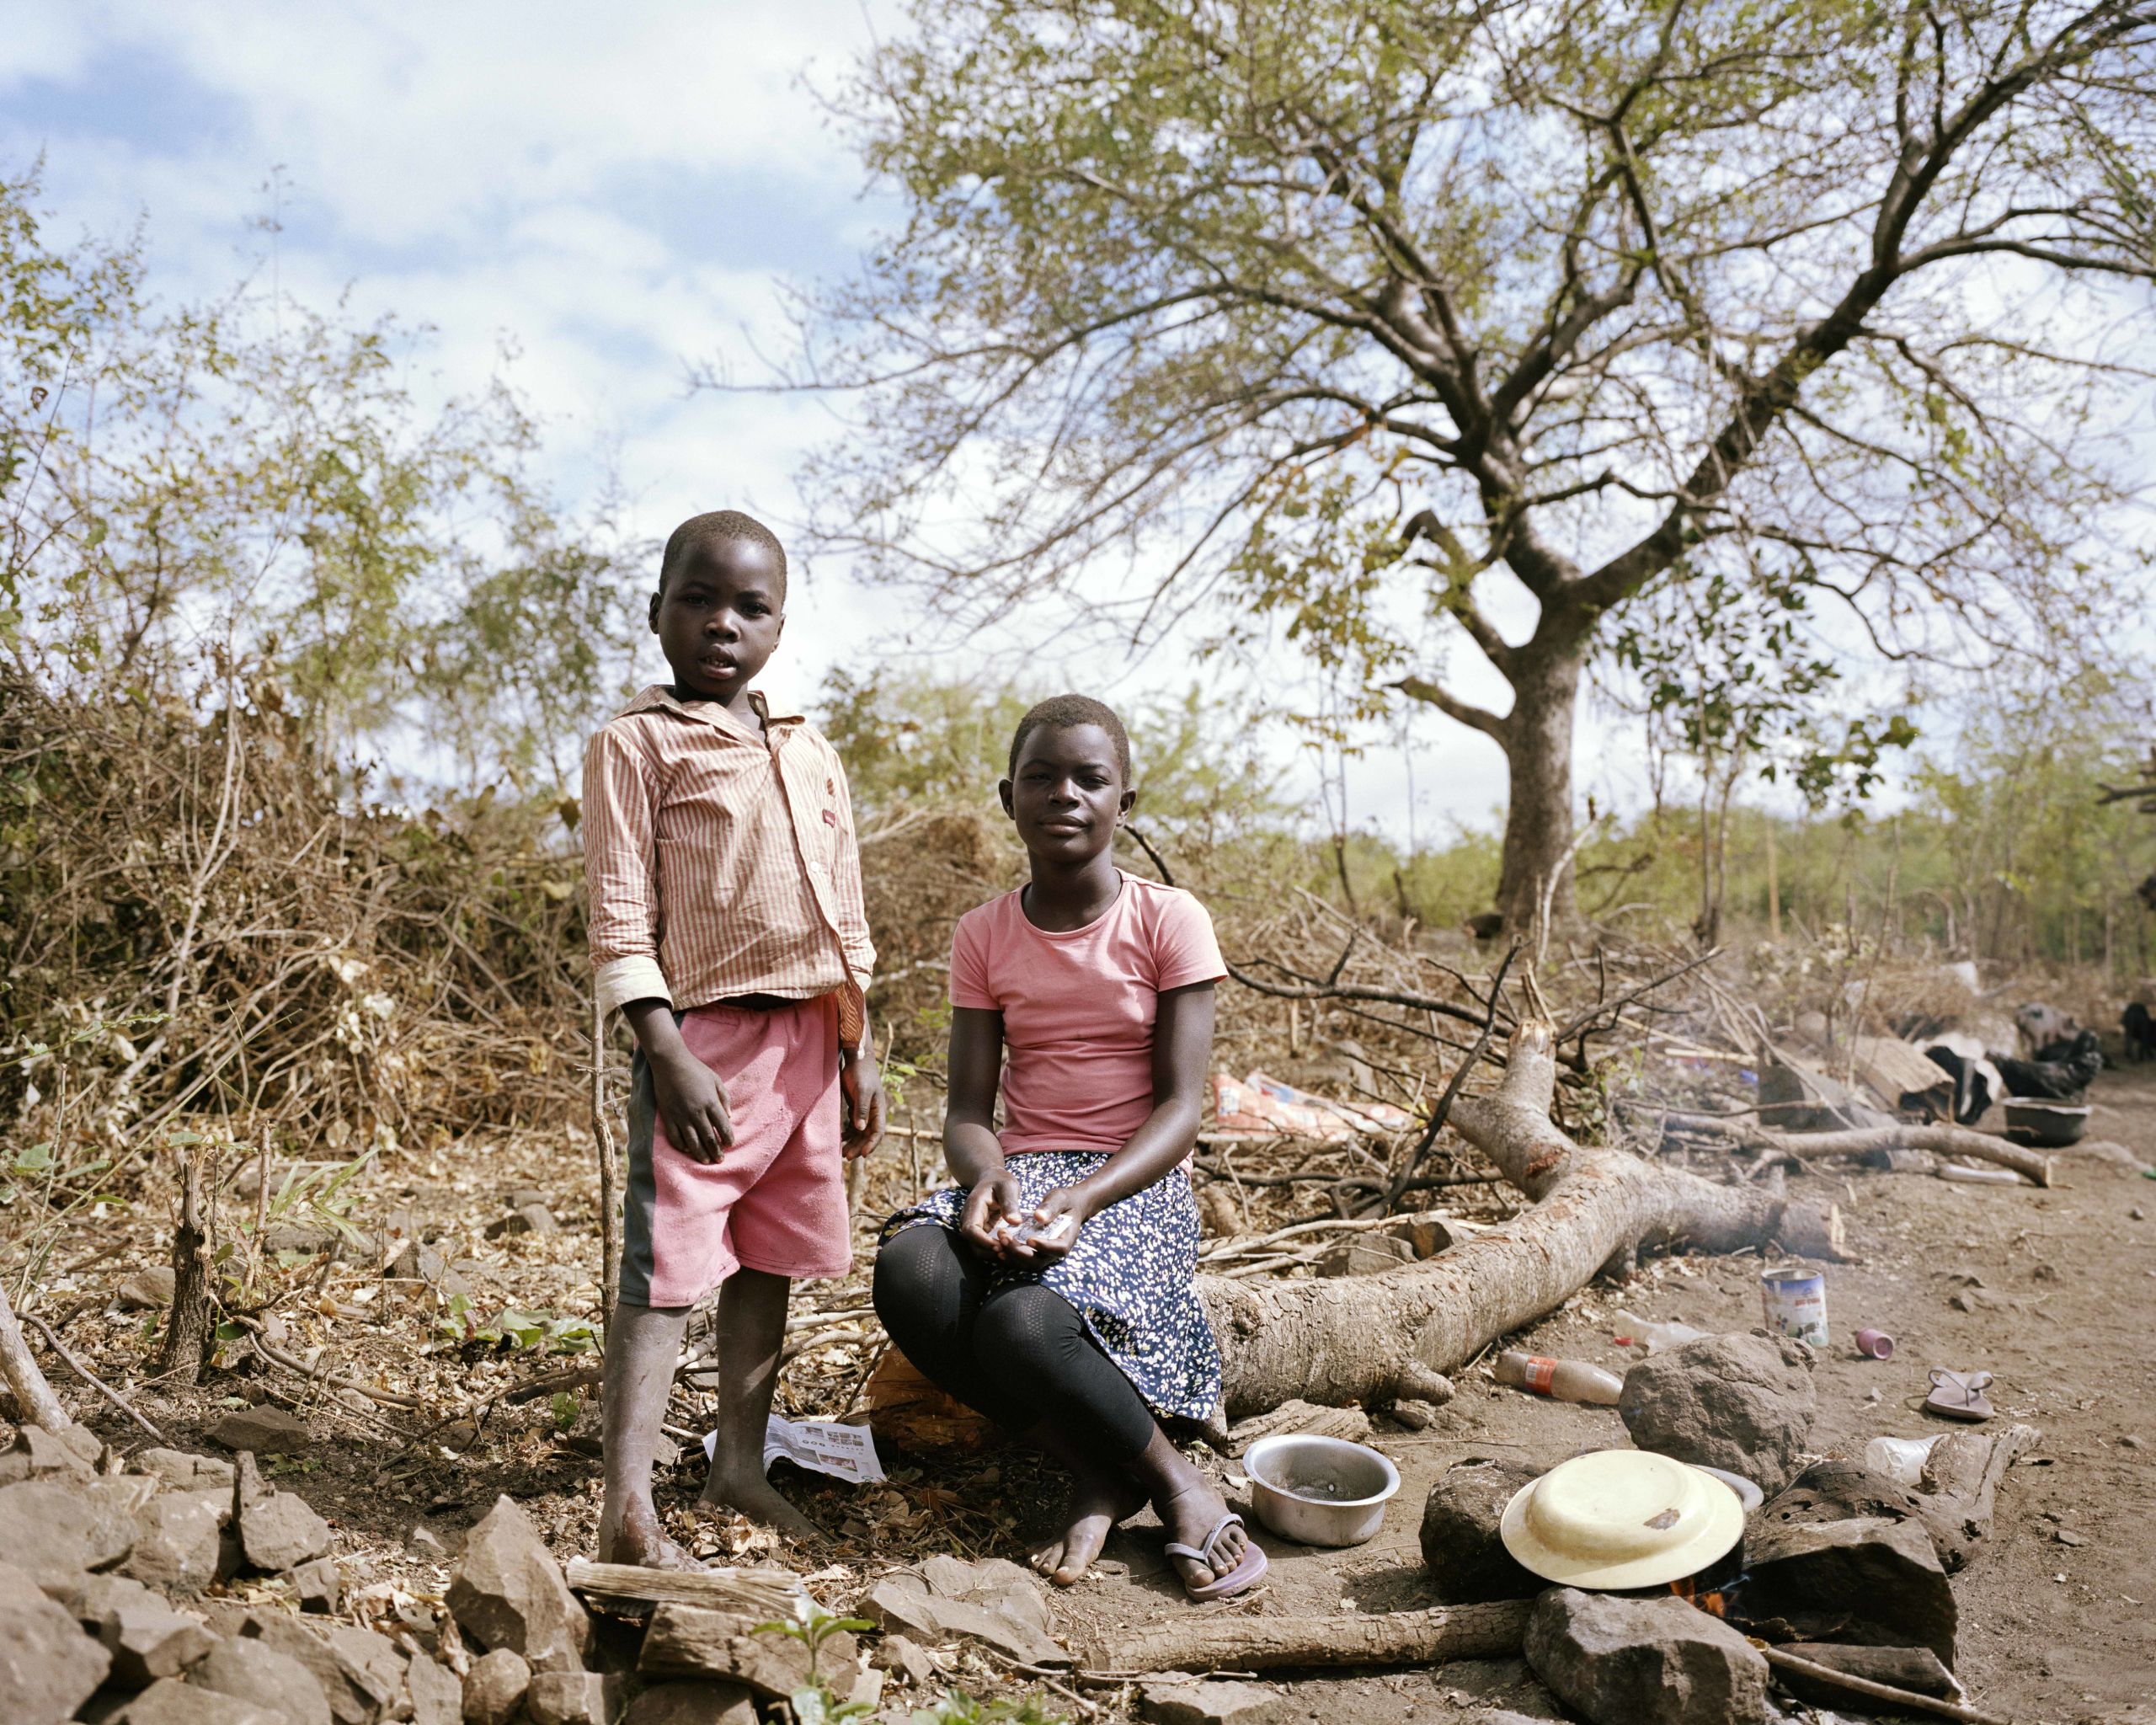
x=640, y=1540
x=760, y=1500
x=1099, y=1499
x=1190, y=1514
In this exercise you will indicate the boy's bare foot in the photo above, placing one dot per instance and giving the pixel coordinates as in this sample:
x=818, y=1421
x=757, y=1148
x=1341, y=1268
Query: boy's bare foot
x=1099, y=1501
x=640, y=1540
x=1190, y=1515
x=760, y=1500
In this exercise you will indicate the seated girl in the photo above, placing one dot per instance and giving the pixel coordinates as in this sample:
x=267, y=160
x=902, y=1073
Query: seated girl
x=1054, y=1288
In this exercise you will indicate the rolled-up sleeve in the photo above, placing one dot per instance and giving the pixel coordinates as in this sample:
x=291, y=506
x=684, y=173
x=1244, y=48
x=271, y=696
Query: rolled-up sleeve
x=621, y=798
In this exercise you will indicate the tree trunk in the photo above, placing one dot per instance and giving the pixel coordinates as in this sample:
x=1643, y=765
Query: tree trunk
x=187, y=1330
x=1538, y=743
x=1377, y=1338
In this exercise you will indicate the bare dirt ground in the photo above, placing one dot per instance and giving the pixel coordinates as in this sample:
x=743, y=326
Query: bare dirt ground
x=2054, y=1297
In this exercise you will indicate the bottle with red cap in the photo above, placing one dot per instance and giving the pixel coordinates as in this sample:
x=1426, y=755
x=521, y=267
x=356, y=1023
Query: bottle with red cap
x=1561, y=1379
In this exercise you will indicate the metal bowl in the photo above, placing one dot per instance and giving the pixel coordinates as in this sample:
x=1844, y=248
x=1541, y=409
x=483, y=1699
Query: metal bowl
x=2045, y=1126
x=1320, y=1491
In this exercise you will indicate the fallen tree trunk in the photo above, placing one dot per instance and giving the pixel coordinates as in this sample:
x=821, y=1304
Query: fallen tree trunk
x=1380, y=1338
x=1229, y=1644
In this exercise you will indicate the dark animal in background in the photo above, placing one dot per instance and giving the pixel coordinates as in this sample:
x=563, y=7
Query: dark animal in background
x=1977, y=1081
x=2054, y=1080
x=2139, y=1024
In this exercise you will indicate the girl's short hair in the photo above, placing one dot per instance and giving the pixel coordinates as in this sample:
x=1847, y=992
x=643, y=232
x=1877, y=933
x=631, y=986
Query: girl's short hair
x=1065, y=711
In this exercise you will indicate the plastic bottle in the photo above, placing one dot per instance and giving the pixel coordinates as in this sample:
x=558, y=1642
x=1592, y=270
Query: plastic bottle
x=1899, y=1458
x=1643, y=1332
x=1564, y=1380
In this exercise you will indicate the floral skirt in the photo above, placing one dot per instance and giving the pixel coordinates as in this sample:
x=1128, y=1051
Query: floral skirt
x=1132, y=1276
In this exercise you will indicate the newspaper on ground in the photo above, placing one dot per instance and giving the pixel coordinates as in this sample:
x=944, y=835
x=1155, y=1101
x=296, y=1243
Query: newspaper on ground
x=845, y=1452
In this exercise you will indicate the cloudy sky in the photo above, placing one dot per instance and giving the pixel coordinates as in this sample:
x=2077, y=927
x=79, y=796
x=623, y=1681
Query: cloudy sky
x=612, y=193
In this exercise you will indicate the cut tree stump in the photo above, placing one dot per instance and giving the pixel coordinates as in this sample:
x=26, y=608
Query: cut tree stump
x=1374, y=1339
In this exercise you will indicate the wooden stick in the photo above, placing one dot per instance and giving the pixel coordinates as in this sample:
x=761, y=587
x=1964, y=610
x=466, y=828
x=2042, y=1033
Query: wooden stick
x=1428, y=1637
x=763, y=1592
x=315, y=1373
x=1882, y=1691
x=91, y=1378
x=18, y=1367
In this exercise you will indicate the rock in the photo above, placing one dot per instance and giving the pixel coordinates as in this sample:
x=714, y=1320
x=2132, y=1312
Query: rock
x=1742, y=1402
x=1366, y=1255
x=507, y=1591
x=423, y=1543
x=690, y=1703
x=279, y=1531
x=437, y=1697
x=1187, y=1702
x=168, y=1701
x=251, y=1670
x=184, y=1470
x=574, y=1698
x=525, y=1197
x=147, y=1640
x=905, y=1658
x=1844, y=1491
x=358, y=1671
x=527, y=1219
x=1916, y=1669
x=178, y=1542
x=691, y=1641
x=38, y=1454
x=267, y=1431
x=1643, y=1662
x=320, y=1585
x=904, y=1601
x=148, y=1291
x=90, y=1597
x=1462, y=1545
x=48, y=1667
x=494, y=1687
x=55, y=1531
x=1870, y=1581
x=994, y=1584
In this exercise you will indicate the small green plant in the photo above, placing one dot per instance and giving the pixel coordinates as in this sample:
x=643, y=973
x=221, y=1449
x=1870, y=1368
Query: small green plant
x=814, y=1704
x=515, y=1330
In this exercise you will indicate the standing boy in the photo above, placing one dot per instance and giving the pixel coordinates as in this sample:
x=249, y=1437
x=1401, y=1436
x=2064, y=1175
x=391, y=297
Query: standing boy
x=726, y=927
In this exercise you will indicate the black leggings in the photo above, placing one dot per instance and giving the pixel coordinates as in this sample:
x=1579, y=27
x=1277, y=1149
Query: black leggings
x=1020, y=1354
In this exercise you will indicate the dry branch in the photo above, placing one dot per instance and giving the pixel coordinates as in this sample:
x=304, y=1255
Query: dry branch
x=759, y=1592
x=1428, y=1637
x=91, y=1378
x=1380, y=1338
x=33, y=1398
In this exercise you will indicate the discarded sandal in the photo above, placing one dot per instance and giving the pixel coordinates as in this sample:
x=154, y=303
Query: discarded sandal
x=1245, y=1576
x=1959, y=1395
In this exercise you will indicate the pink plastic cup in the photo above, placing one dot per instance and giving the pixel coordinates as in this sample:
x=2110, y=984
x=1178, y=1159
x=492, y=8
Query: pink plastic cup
x=1875, y=1344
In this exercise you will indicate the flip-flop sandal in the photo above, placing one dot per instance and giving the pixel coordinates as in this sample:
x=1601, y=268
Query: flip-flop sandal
x=1245, y=1576
x=1960, y=1395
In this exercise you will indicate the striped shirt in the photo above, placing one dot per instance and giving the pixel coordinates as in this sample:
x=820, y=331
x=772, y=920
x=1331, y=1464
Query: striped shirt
x=720, y=862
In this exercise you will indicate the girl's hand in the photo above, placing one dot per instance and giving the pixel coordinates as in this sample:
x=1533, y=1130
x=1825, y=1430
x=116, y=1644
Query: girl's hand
x=1049, y=1233
x=995, y=1197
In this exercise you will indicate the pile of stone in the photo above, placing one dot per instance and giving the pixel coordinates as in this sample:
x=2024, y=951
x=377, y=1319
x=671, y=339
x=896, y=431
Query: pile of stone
x=113, y=1611
x=1840, y=1568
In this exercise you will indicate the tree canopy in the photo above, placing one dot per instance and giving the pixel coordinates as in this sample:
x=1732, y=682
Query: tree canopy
x=1414, y=332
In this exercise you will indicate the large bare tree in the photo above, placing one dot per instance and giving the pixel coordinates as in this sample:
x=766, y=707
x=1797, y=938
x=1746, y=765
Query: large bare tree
x=1433, y=331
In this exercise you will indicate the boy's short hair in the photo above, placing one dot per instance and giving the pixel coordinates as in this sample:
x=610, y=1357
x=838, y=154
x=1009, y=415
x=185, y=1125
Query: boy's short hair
x=716, y=528
x=1063, y=713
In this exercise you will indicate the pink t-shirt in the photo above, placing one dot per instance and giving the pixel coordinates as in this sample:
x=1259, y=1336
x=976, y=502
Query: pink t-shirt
x=1078, y=1008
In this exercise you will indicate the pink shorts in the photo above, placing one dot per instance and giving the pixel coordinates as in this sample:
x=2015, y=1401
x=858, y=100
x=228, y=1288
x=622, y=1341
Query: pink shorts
x=775, y=1201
